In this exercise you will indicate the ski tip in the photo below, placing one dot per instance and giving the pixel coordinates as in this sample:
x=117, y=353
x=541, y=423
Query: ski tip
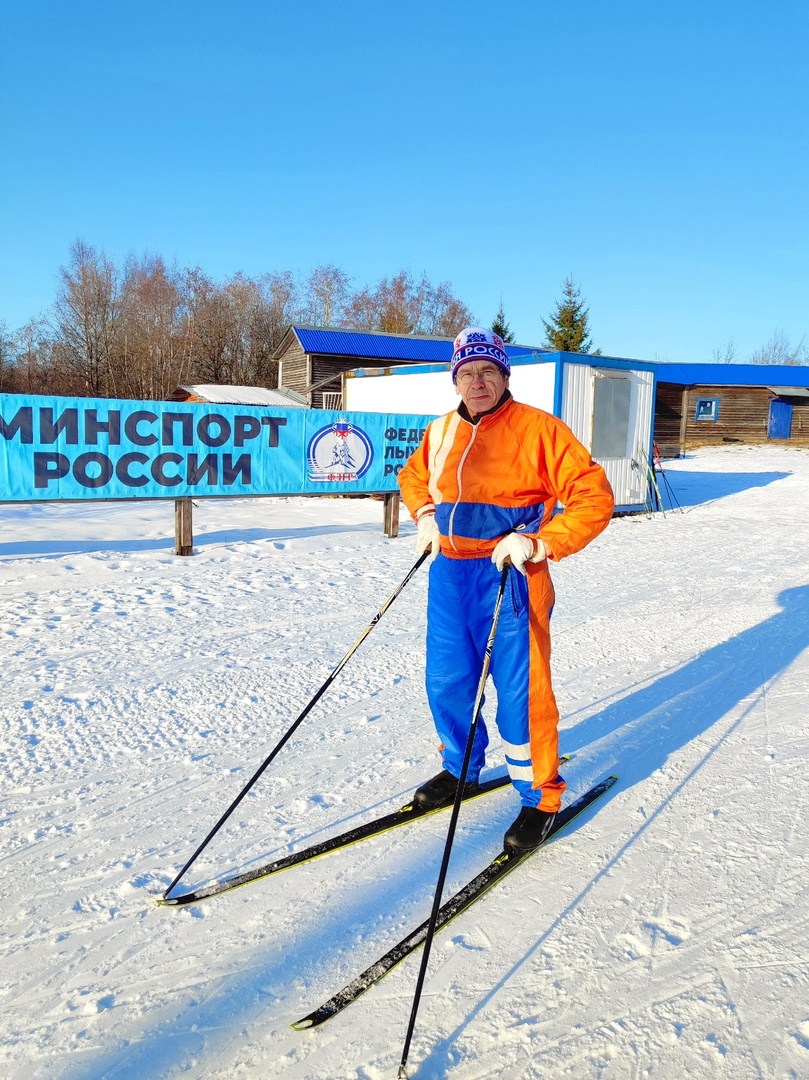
x=606, y=783
x=166, y=901
x=302, y=1025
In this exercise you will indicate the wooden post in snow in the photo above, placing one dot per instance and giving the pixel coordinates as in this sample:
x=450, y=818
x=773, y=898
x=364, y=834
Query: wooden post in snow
x=391, y=515
x=683, y=421
x=183, y=527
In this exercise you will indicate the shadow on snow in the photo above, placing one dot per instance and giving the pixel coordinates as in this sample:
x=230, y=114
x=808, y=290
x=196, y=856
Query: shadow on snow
x=694, y=488
x=641, y=731
x=39, y=549
x=635, y=735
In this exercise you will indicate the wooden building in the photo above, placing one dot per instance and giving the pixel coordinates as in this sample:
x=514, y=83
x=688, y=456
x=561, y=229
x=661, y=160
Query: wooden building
x=311, y=360
x=718, y=404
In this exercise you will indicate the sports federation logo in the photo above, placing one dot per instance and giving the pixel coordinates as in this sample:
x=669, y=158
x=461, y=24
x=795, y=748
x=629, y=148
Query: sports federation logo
x=341, y=452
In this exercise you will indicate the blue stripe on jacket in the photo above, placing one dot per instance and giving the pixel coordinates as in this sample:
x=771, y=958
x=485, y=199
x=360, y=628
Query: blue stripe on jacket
x=484, y=521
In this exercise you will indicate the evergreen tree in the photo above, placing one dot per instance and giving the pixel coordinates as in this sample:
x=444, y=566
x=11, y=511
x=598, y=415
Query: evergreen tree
x=501, y=327
x=568, y=329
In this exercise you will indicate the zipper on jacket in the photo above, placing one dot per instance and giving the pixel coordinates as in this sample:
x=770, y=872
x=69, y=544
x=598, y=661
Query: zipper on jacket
x=460, y=486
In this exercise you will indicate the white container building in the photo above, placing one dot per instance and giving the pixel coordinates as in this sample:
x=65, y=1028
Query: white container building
x=608, y=404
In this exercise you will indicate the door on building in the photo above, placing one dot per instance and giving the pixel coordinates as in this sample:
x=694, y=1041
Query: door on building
x=612, y=416
x=780, y=423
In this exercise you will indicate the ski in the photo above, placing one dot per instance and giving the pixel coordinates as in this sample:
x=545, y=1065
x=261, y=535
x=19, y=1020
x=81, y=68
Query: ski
x=494, y=872
x=407, y=813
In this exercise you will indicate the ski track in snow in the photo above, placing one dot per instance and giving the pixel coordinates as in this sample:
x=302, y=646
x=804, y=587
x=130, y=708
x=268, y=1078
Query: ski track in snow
x=665, y=934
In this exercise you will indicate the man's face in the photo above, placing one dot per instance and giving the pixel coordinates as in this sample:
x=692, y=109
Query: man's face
x=481, y=385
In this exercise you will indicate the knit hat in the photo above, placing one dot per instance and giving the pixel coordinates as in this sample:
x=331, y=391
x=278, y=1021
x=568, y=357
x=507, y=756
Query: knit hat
x=477, y=343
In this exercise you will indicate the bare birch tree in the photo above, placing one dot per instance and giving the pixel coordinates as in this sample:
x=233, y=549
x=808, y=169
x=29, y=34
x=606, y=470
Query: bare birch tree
x=154, y=353
x=326, y=295
x=403, y=304
x=6, y=359
x=726, y=353
x=86, y=318
x=779, y=349
x=36, y=368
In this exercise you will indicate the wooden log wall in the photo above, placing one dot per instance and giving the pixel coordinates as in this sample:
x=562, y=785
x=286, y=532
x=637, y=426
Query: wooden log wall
x=668, y=418
x=322, y=368
x=742, y=417
x=293, y=369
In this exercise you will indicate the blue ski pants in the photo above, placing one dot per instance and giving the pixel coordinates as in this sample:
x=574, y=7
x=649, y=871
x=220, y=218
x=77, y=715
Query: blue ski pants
x=460, y=608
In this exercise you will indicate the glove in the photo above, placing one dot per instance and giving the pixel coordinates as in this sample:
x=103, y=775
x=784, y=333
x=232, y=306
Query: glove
x=429, y=538
x=518, y=550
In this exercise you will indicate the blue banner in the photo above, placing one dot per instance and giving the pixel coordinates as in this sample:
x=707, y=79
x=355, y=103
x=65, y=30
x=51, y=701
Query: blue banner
x=94, y=448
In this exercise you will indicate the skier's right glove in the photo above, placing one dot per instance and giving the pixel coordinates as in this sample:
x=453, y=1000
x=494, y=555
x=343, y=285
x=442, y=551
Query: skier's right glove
x=518, y=550
x=429, y=538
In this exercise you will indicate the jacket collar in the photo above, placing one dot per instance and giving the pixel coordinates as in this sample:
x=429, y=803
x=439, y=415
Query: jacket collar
x=464, y=413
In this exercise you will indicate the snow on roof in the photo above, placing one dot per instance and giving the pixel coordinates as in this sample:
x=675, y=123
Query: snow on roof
x=246, y=395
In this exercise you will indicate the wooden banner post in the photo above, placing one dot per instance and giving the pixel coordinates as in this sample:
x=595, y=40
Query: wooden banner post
x=391, y=515
x=183, y=527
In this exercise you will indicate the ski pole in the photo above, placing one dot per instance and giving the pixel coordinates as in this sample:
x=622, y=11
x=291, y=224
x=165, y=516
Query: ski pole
x=666, y=482
x=456, y=806
x=284, y=739
x=650, y=472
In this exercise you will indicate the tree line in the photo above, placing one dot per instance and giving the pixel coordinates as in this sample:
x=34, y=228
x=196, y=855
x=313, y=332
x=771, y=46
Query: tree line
x=143, y=328
x=779, y=348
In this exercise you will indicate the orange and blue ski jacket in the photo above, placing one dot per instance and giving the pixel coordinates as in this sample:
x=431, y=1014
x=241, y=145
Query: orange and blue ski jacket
x=506, y=473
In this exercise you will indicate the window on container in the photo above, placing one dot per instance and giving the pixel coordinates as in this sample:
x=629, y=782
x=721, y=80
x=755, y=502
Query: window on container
x=707, y=409
x=612, y=399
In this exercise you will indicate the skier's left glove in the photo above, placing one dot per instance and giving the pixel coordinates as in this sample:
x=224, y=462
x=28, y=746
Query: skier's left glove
x=518, y=550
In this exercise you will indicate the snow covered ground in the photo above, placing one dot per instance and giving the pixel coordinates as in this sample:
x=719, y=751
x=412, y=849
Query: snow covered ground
x=666, y=934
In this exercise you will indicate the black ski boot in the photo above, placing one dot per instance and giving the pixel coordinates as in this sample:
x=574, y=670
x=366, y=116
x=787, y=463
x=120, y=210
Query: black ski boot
x=528, y=830
x=440, y=791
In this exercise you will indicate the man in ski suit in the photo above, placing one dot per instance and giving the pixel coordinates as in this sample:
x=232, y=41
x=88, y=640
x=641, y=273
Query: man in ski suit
x=482, y=488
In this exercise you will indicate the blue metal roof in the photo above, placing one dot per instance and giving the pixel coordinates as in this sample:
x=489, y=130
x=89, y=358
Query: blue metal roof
x=521, y=356
x=378, y=346
x=732, y=374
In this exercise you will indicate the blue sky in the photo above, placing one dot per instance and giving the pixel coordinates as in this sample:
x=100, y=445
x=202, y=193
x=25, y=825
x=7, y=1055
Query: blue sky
x=658, y=153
